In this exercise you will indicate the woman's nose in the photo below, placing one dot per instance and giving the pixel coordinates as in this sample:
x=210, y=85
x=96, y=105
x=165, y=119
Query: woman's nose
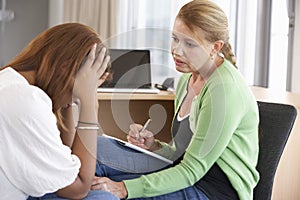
x=177, y=49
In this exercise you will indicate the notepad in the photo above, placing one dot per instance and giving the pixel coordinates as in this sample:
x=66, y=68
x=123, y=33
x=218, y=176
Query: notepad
x=139, y=149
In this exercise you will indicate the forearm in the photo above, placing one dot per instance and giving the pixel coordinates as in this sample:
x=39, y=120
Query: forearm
x=68, y=132
x=90, y=75
x=85, y=141
x=85, y=147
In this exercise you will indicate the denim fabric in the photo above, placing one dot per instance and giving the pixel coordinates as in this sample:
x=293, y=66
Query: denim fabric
x=92, y=195
x=190, y=193
x=114, y=162
x=117, y=156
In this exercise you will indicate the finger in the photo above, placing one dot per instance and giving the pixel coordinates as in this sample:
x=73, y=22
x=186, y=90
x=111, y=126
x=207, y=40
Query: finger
x=102, y=186
x=143, y=146
x=102, y=79
x=103, y=67
x=96, y=180
x=146, y=134
x=95, y=187
x=99, y=181
x=138, y=142
x=134, y=135
x=99, y=60
x=103, y=179
x=132, y=140
x=91, y=57
x=135, y=128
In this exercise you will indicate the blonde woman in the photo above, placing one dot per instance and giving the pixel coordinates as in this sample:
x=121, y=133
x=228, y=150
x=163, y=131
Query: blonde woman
x=214, y=108
x=65, y=63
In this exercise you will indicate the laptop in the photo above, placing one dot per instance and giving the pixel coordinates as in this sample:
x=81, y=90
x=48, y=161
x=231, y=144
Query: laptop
x=131, y=72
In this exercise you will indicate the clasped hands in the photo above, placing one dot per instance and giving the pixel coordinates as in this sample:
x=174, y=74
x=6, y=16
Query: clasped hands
x=105, y=184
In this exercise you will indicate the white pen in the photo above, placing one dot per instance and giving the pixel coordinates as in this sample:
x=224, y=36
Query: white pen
x=145, y=125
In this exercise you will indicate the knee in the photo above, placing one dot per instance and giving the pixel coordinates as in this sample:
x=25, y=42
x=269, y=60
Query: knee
x=99, y=194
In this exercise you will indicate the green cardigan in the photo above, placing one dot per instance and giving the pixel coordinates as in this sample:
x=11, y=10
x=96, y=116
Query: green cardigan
x=224, y=119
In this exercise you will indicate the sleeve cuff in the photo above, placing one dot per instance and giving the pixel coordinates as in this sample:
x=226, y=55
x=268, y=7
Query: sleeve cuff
x=166, y=150
x=134, y=188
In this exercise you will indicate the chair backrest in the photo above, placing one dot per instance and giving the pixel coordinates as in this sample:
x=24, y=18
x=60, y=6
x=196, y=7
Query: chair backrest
x=276, y=122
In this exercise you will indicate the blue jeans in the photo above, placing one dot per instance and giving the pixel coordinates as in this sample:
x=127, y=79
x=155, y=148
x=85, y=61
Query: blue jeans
x=120, y=163
x=92, y=195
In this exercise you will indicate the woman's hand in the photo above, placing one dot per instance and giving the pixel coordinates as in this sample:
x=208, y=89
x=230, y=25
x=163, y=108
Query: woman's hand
x=116, y=188
x=144, y=139
x=91, y=75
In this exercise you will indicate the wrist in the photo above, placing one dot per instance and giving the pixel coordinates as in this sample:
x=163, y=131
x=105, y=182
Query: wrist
x=124, y=193
x=88, y=113
x=155, y=145
x=87, y=126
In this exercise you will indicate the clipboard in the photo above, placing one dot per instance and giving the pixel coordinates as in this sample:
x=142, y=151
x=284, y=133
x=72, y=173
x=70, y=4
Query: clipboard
x=139, y=149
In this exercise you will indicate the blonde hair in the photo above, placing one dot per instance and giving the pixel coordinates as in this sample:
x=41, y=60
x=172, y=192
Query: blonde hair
x=55, y=56
x=206, y=15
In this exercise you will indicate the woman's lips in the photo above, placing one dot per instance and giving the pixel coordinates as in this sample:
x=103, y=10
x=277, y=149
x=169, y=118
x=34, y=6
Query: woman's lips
x=178, y=62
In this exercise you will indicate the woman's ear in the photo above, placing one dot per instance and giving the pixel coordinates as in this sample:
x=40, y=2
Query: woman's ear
x=217, y=46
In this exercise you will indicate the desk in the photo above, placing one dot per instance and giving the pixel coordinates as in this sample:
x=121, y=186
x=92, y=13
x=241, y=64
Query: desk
x=118, y=110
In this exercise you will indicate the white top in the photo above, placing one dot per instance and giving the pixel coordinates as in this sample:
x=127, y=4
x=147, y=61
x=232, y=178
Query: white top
x=33, y=159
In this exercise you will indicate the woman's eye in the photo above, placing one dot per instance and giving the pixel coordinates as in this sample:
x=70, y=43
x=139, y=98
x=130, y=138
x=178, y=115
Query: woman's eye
x=175, y=39
x=190, y=45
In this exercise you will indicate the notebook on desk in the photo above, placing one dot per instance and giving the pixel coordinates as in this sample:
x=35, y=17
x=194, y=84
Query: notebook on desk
x=131, y=71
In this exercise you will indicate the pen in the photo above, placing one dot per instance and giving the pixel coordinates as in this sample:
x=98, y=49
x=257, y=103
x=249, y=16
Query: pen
x=145, y=125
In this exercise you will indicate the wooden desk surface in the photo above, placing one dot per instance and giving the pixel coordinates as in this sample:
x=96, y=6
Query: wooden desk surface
x=265, y=94
x=261, y=94
x=162, y=95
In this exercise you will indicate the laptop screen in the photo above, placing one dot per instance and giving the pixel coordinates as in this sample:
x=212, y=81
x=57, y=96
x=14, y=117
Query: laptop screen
x=130, y=69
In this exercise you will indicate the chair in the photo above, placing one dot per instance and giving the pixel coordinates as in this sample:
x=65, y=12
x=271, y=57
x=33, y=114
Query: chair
x=276, y=122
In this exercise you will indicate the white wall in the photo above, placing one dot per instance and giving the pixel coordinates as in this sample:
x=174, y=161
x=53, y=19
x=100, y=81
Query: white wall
x=296, y=57
x=55, y=12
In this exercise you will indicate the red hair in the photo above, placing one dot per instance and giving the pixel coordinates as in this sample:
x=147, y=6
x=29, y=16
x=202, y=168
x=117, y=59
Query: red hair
x=55, y=56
